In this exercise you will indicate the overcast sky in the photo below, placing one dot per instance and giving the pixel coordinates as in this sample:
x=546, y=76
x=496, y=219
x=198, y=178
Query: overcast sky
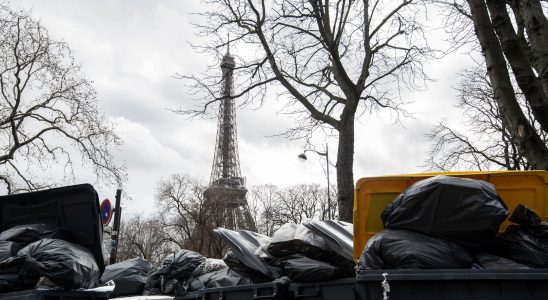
x=131, y=51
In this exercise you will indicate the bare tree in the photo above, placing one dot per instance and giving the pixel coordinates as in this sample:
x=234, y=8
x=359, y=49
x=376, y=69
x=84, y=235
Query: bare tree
x=187, y=218
x=515, y=50
x=264, y=208
x=332, y=60
x=144, y=237
x=484, y=143
x=272, y=206
x=301, y=202
x=513, y=66
x=48, y=110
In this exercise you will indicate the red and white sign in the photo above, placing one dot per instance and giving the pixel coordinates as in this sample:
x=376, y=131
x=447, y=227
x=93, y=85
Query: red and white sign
x=106, y=212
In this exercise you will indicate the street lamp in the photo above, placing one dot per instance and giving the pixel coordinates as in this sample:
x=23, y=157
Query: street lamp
x=302, y=157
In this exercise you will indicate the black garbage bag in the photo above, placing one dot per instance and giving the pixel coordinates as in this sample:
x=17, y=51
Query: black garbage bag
x=68, y=265
x=293, y=239
x=338, y=236
x=490, y=261
x=19, y=273
x=402, y=249
x=180, y=270
x=175, y=272
x=129, y=276
x=309, y=239
x=240, y=268
x=226, y=278
x=521, y=245
x=303, y=269
x=8, y=249
x=466, y=211
x=250, y=250
x=524, y=216
x=184, y=262
x=203, y=272
x=30, y=233
x=220, y=278
x=197, y=283
x=154, y=277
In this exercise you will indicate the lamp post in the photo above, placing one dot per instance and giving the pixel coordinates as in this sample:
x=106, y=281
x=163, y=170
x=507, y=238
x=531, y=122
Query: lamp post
x=302, y=157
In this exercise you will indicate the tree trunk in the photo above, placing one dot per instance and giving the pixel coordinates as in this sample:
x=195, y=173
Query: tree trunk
x=522, y=133
x=345, y=172
x=519, y=62
x=536, y=27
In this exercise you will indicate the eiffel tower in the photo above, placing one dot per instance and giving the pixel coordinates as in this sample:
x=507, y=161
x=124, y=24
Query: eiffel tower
x=225, y=197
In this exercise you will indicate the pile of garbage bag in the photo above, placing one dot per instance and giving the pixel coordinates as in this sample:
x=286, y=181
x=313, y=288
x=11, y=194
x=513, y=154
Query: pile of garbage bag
x=440, y=223
x=308, y=252
x=526, y=242
x=307, y=246
x=40, y=256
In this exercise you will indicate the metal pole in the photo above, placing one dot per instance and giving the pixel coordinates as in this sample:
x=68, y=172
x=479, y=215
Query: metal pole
x=116, y=227
x=328, y=189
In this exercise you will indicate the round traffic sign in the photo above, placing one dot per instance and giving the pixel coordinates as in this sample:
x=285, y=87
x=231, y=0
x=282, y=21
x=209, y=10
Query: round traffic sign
x=106, y=212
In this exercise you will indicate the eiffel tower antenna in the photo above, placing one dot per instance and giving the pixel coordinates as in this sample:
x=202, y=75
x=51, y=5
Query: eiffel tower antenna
x=228, y=44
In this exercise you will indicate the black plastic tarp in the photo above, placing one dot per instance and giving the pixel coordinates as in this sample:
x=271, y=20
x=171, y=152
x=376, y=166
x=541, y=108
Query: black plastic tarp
x=466, y=211
x=129, y=276
x=401, y=249
x=30, y=233
x=66, y=264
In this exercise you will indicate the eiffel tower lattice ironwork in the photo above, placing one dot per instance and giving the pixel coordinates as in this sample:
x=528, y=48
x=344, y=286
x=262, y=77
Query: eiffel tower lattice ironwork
x=226, y=194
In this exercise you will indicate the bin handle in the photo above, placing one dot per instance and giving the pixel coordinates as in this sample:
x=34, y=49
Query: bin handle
x=317, y=292
x=274, y=293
